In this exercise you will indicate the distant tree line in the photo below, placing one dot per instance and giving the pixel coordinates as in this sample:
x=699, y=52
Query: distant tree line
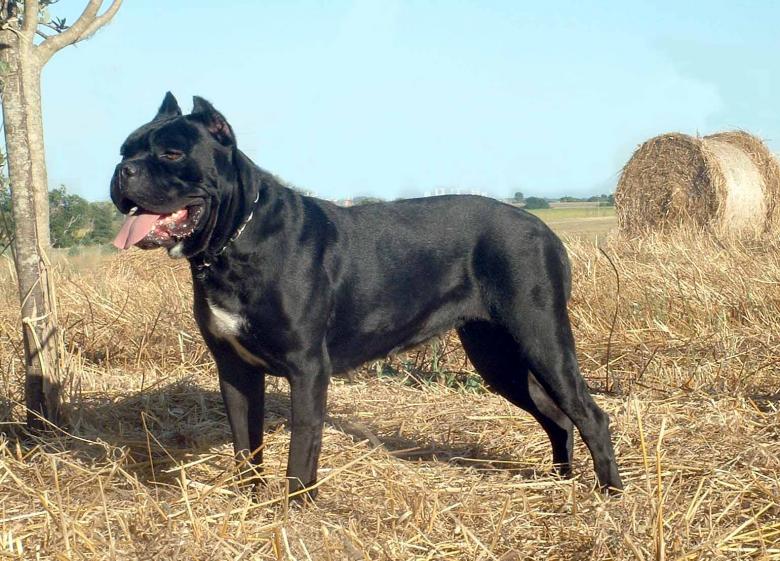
x=540, y=202
x=607, y=199
x=534, y=203
x=73, y=220
x=363, y=200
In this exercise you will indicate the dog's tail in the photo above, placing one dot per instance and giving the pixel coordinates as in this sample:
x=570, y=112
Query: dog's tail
x=566, y=273
x=563, y=257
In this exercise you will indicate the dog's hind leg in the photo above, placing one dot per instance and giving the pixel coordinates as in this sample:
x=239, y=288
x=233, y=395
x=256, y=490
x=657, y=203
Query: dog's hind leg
x=498, y=358
x=544, y=335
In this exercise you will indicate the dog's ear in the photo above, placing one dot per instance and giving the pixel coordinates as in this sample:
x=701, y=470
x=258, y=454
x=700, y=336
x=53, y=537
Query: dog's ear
x=215, y=122
x=169, y=108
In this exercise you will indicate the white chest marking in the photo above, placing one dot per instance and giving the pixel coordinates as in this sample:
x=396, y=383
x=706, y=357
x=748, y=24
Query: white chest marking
x=228, y=326
x=224, y=324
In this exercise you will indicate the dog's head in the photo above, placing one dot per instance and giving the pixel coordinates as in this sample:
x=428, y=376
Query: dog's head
x=176, y=173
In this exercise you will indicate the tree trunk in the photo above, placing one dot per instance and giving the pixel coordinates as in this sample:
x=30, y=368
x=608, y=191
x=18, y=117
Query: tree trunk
x=19, y=89
x=31, y=77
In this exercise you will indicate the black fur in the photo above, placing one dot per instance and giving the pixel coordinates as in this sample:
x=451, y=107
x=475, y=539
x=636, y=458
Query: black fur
x=310, y=289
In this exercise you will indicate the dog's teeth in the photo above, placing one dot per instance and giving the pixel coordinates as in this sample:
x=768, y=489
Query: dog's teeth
x=133, y=211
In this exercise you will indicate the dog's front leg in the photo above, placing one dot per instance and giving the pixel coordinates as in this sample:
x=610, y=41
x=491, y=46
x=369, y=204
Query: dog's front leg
x=243, y=392
x=308, y=396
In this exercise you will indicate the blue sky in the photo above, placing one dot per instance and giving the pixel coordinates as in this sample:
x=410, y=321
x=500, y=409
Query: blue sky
x=397, y=98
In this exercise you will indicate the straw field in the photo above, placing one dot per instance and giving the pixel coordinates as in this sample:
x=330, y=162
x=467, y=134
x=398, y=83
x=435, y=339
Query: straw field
x=586, y=222
x=679, y=340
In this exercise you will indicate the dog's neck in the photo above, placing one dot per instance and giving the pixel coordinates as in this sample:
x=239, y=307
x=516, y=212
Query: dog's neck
x=258, y=203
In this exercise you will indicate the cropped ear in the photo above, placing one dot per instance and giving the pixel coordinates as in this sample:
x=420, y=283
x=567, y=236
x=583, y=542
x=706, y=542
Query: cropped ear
x=214, y=121
x=169, y=108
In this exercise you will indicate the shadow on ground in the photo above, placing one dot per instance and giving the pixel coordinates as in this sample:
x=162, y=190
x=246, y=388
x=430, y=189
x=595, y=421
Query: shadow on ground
x=160, y=428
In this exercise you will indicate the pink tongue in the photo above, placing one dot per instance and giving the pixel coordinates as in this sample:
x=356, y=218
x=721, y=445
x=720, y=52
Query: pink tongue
x=135, y=229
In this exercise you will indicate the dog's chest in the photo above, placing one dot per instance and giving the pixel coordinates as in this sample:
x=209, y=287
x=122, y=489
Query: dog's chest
x=231, y=326
x=223, y=323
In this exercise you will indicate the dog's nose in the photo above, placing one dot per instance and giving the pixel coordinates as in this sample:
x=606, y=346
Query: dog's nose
x=129, y=170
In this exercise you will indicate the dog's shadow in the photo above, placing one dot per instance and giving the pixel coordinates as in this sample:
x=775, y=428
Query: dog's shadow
x=158, y=429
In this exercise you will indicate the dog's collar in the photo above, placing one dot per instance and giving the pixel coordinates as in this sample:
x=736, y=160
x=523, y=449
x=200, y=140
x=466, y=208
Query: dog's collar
x=206, y=261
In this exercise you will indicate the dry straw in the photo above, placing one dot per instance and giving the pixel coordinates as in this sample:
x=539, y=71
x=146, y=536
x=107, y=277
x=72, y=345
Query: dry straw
x=414, y=466
x=728, y=183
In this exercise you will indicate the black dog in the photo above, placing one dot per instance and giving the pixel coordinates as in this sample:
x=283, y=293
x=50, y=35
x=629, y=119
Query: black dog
x=298, y=287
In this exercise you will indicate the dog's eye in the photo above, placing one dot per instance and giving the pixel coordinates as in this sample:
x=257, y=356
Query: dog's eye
x=172, y=155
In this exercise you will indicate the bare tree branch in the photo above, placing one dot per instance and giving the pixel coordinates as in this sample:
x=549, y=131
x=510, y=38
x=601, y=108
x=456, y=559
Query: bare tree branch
x=30, y=16
x=102, y=19
x=86, y=25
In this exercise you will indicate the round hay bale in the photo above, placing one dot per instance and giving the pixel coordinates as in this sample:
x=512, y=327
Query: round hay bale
x=728, y=182
x=767, y=164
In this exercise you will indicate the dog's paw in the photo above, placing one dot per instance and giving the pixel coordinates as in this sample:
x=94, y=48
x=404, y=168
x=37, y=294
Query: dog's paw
x=300, y=493
x=250, y=478
x=611, y=491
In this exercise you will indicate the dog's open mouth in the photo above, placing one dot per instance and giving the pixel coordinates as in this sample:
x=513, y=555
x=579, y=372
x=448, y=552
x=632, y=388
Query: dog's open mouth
x=148, y=230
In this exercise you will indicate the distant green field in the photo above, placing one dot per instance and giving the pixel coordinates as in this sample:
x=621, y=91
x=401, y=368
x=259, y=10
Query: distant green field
x=570, y=213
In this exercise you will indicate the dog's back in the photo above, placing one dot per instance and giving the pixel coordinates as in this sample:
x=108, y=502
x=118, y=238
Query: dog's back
x=410, y=269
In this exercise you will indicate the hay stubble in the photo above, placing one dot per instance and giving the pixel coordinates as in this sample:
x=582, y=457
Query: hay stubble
x=144, y=470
